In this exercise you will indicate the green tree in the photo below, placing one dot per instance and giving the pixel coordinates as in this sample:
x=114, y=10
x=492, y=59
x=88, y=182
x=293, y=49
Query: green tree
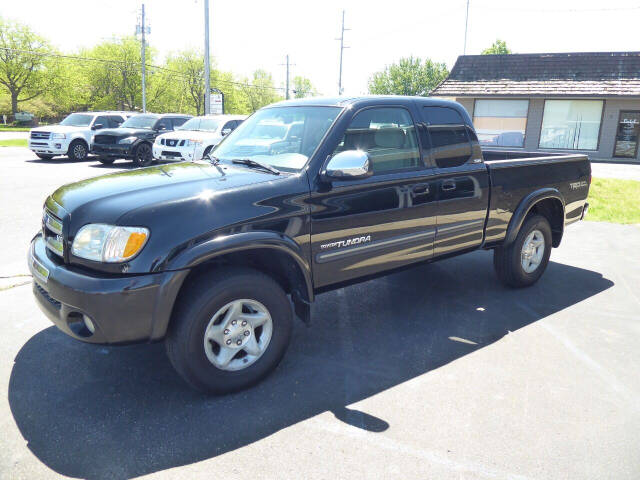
x=260, y=91
x=23, y=62
x=302, y=87
x=114, y=77
x=410, y=76
x=499, y=47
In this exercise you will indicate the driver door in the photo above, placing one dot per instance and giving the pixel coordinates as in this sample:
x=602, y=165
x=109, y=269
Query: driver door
x=365, y=226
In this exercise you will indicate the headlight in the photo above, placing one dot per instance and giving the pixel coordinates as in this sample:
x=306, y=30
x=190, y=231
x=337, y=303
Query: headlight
x=109, y=243
x=58, y=135
x=128, y=140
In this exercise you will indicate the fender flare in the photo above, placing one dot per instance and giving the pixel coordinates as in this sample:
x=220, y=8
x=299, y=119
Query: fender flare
x=525, y=206
x=216, y=247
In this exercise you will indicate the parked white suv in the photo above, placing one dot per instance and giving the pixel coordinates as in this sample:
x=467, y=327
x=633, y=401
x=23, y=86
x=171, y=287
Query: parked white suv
x=72, y=136
x=195, y=138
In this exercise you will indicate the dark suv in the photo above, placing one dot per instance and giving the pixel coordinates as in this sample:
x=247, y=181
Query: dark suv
x=133, y=140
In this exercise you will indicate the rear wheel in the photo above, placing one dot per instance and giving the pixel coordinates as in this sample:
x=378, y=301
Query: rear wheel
x=106, y=160
x=43, y=156
x=143, y=155
x=78, y=151
x=229, y=330
x=524, y=261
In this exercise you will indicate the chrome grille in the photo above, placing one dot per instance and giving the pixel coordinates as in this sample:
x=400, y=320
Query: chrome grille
x=41, y=135
x=171, y=142
x=52, y=231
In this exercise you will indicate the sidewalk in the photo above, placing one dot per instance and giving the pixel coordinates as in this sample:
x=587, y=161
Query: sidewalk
x=615, y=170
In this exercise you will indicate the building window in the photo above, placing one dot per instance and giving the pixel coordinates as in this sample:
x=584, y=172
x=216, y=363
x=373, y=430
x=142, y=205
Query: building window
x=571, y=124
x=501, y=123
x=627, y=135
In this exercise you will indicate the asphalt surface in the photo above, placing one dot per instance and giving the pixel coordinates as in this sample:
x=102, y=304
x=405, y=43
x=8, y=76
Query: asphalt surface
x=435, y=372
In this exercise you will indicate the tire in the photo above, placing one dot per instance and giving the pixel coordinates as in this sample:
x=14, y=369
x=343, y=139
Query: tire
x=143, y=155
x=78, y=151
x=44, y=157
x=202, y=309
x=509, y=262
x=106, y=160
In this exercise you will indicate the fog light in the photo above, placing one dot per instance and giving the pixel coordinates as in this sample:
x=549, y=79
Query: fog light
x=89, y=324
x=58, y=145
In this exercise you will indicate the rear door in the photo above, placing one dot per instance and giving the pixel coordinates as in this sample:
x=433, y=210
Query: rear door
x=462, y=180
x=361, y=227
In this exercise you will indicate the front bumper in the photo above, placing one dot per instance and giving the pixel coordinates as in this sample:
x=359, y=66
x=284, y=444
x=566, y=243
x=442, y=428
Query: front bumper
x=163, y=152
x=59, y=146
x=123, y=309
x=116, y=150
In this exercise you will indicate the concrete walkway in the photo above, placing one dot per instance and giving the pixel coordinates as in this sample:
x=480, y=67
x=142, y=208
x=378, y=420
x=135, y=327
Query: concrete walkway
x=623, y=171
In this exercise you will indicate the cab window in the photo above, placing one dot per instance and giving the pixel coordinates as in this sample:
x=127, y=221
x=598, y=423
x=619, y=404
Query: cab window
x=387, y=134
x=450, y=145
x=178, y=122
x=163, y=122
x=101, y=121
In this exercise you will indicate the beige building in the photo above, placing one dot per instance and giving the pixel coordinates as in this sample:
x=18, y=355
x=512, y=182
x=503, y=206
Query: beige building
x=557, y=102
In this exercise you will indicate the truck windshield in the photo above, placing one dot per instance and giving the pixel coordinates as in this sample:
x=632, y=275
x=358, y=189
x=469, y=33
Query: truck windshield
x=77, y=120
x=200, y=124
x=140, y=121
x=283, y=137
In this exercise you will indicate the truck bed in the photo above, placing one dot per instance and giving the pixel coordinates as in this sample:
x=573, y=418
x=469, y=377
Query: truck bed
x=515, y=175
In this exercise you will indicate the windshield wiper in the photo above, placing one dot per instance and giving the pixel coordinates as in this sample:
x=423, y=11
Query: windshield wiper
x=252, y=163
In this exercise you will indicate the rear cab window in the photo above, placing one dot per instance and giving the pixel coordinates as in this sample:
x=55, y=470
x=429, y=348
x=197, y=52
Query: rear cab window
x=449, y=135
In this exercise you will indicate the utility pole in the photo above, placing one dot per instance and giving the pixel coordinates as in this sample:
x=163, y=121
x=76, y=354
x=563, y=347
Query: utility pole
x=342, y=47
x=287, y=95
x=288, y=65
x=207, y=66
x=143, y=30
x=466, y=23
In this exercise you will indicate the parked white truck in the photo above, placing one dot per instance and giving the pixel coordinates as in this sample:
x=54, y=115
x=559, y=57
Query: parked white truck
x=195, y=138
x=72, y=136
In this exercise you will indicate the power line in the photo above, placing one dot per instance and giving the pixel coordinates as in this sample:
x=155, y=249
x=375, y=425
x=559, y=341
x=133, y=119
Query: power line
x=134, y=64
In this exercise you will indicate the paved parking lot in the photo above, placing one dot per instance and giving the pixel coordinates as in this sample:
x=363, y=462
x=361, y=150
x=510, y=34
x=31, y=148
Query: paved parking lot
x=436, y=372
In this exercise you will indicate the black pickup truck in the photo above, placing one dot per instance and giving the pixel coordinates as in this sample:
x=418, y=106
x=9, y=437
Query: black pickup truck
x=214, y=257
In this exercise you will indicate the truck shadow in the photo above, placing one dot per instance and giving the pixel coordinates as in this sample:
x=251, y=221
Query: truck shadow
x=120, y=412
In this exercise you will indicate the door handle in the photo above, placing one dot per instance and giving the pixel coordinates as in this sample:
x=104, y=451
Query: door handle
x=420, y=189
x=448, y=185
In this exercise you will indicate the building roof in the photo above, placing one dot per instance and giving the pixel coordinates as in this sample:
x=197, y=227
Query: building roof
x=601, y=74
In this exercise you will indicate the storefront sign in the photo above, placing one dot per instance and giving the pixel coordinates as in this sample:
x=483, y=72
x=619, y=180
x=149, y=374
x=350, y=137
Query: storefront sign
x=627, y=135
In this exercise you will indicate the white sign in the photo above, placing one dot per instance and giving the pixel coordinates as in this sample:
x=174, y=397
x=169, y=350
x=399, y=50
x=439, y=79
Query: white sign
x=216, y=106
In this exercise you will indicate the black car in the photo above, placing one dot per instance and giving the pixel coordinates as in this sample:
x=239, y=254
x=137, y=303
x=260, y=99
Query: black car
x=215, y=256
x=133, y=140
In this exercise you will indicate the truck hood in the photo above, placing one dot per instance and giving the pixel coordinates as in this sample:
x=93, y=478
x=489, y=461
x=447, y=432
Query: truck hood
x=121, y=132
x=190, y=135
x=60, y=129
x=108, y=198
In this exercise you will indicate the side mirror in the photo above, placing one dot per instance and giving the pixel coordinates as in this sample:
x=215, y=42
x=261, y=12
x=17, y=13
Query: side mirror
x=226, y=131
x=348, y=165
x=97, y=126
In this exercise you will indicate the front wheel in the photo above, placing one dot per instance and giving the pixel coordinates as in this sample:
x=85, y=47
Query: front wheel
x=78, y=151
x=229, y=330
x=143, y=155
x=523, y=262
